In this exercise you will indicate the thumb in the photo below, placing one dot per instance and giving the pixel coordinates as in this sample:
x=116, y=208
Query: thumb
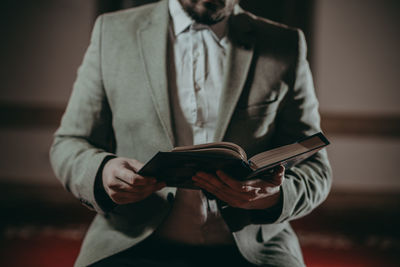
x=133, y=164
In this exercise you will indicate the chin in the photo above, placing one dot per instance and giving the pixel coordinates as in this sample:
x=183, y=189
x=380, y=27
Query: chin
x=207, y=12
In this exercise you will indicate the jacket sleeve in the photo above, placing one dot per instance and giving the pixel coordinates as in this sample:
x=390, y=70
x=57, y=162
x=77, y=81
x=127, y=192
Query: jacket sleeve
x=83, y=142
x=307, y=184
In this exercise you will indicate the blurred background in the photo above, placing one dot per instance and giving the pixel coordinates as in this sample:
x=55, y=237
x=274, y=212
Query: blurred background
x=354, y=56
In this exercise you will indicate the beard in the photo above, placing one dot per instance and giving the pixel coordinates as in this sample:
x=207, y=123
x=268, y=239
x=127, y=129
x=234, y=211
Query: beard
x=208, y=12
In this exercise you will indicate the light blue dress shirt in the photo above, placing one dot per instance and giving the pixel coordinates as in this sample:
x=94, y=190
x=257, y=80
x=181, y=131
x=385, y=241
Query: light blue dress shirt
x=197, y=58
x=198, y=53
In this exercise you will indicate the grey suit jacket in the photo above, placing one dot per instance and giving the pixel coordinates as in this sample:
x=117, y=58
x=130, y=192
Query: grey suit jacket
x=120, y=106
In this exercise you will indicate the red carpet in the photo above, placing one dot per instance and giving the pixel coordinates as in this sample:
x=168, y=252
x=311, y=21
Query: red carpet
x=317, y=257
x=39, y=252
x=346, y=231
x=52, y=247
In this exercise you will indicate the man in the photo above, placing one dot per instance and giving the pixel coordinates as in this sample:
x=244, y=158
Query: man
x=183, y=72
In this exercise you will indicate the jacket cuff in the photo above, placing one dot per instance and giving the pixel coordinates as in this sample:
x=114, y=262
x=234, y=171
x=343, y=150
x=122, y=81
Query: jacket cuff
x=270, y=215
x=288, y=201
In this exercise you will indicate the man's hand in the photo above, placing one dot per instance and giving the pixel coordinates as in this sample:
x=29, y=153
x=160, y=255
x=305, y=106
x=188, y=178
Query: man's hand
x=124, y=185
x=259, y=193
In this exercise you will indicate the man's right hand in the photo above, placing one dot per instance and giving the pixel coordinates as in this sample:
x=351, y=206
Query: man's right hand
x=124, y=185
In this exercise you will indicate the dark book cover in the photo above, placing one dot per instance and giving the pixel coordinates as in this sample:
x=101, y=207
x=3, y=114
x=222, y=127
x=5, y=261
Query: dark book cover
x=178, y=168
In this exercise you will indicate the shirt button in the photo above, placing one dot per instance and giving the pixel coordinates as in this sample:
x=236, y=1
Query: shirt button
x=197, y=87
x=199, y=124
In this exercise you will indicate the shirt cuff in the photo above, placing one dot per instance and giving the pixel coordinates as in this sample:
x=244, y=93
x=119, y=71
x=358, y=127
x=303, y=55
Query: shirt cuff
x=102, y=198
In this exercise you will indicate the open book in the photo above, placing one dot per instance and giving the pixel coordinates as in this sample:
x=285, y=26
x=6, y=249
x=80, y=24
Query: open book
x=178, y=166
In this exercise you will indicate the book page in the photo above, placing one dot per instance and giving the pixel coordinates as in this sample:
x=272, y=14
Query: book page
x=219, y=148
x=284, y=152
x=212, y=152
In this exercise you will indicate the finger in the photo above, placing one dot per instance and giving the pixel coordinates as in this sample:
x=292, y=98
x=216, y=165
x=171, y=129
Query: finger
x=277, y=179
x=134, y=164
x=216, y=192
x=130, y=177
x=124, y=187
x=253, y=187
x=121, y=196
x=130, y=167
x=120, y=185
x=146, y=191
x=260, y=186
x=211, y=180
x=144, y=180
x=125, y=175
x=222, y=195
x=274, y=176
x=232, y=183
x=153, y=188
x=216, y=186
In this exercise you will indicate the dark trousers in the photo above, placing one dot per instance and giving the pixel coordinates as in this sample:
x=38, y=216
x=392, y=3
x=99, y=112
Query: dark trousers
x=156, y=254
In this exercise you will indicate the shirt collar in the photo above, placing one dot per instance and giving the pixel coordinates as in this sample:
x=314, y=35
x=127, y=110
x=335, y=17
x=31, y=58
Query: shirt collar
x=181, y=21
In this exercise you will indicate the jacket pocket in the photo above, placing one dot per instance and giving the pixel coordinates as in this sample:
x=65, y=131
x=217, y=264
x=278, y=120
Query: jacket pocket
x=260, y=107
x=259, y=110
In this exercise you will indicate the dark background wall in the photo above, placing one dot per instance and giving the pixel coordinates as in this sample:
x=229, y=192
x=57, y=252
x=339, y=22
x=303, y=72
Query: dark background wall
x=296, y=13
x=44, y=42
x=352, y=50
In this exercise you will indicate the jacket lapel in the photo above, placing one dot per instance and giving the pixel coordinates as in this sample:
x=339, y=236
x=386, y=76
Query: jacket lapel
x=153, y=38
x=238, y=64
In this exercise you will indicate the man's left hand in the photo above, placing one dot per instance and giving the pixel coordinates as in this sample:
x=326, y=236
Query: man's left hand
x=258, y=193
